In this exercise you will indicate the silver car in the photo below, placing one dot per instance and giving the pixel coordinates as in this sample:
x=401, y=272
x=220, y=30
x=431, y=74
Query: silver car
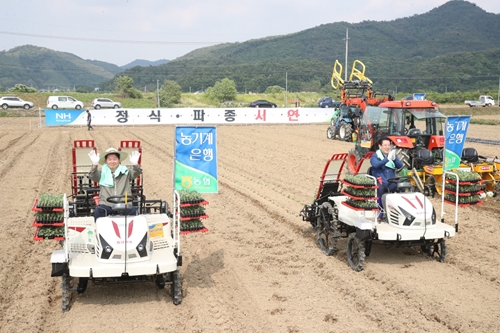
x=15, y=102
x=105, y=103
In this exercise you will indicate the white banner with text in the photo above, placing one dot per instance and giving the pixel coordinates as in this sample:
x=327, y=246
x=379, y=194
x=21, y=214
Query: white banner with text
x=186, y=116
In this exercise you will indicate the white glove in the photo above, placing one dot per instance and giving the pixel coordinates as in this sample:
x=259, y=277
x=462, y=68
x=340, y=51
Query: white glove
x=94, y=157
x=392, y=155
x=134, y=157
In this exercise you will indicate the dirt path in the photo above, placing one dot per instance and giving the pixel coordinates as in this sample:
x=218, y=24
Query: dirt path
x=259, y=268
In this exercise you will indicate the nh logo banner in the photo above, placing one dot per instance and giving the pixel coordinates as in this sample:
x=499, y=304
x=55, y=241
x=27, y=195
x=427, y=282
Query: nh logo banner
x=455, y=135
x=195, y=167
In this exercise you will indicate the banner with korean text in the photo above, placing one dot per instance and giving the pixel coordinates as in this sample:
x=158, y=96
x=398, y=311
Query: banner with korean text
x=455, y=135
x=195, y=167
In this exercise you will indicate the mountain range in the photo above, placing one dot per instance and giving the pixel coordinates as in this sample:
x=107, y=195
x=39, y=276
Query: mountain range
x=453, y=47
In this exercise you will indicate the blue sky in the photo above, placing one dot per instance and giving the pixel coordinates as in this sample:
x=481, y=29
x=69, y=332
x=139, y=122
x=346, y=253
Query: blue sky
x=120, y=31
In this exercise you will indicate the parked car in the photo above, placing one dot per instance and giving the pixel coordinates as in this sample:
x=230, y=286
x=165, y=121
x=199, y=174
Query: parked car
x=105, y=103
x=63, y=102
x=262, y=103
x=15, y=102
x=328, y=102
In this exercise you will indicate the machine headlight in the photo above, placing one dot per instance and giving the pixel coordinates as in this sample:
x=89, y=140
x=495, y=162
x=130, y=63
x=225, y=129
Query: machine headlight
x=408, y=217
x=141, y=247
x=108, y=249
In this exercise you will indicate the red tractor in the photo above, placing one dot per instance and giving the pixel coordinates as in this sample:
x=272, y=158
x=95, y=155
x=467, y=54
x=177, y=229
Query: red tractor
x=415, y=129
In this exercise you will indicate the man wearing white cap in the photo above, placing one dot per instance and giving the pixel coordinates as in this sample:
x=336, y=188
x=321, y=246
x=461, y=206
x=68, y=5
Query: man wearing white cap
x=113, y=178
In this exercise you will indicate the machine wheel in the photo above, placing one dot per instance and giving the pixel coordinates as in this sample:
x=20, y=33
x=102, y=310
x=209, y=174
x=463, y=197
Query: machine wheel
x=66, y=293
x=97, y=107
x=330, y=132
x=54, y=107
x=438, y=250
x=404, y=157
x=82, y=285
x=326, y=240
x=116, y=106
x=355, y=252
x=78, y=107
x=368, y=247
x=160, y=281
x=26, y=107
x=5, y=106
x=345, y=132
x=175, y=287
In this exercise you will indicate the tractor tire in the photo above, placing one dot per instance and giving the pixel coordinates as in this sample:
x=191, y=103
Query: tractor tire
x=330, y=132
x=345, y=132
x=355, y=252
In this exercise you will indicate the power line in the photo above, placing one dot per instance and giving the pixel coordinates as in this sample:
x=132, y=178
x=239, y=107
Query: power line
x=109, y=40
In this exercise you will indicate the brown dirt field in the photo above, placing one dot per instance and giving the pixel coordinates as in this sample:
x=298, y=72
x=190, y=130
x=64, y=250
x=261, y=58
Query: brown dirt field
x=259, y=268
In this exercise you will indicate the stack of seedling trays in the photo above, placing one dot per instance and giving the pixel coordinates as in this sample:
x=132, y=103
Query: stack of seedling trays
x=469, y=188
x=361, y=193
x=49, y=217
x=192, y=211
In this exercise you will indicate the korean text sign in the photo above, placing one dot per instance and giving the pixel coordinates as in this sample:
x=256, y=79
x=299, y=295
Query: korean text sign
x=196, y=159
x=456, y=133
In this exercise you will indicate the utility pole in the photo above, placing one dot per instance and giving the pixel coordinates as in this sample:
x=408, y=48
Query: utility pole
x=346, y=51
x=286, y=89
x=158, y=93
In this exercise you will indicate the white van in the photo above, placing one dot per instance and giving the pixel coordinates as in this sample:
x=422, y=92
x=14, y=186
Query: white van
x=63, y=102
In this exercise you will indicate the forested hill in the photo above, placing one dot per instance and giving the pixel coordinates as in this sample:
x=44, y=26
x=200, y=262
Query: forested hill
x=453, y=47
x=43, y=68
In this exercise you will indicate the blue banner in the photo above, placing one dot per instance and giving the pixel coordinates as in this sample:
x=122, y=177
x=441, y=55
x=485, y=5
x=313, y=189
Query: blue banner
x=63, y=117
x=196, y=159
x=455, y=135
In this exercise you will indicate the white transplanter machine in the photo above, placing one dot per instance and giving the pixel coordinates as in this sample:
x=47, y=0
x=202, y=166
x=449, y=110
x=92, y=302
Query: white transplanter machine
x=347, y=209
x=117, y=248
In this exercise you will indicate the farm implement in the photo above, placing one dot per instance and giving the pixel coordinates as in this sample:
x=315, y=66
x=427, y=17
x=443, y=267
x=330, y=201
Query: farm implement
x=116, y=248
x=346, y=207
x=415, y=129
x=355, y=94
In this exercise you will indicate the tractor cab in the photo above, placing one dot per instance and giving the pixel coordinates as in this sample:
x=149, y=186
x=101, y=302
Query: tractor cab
x=407, y=125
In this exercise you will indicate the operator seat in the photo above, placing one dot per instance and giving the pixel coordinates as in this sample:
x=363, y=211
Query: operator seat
x=469, y=155
x=423, y=157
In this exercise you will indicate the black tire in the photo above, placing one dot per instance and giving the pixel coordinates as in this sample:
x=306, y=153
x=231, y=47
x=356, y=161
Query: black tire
x=5, y=106
x=330, y=132
x=160, y=281
x=26, y=106
x=116, y=106
x=82, y=285
x=345, y=132
x=66, y=293
x=97, y=107
x=368, y=247
x=438, y=250
x=78, y=107
x=54, y=107
x=355, y=252
x=325, y=229
x=175, y=287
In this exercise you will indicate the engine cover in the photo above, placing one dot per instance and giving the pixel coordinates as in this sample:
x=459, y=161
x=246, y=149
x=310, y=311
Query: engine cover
x=409, y=210
x=120, y=239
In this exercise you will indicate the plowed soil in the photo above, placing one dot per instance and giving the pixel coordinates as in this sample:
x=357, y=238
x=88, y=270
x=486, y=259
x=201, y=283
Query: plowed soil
x=259, y=268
